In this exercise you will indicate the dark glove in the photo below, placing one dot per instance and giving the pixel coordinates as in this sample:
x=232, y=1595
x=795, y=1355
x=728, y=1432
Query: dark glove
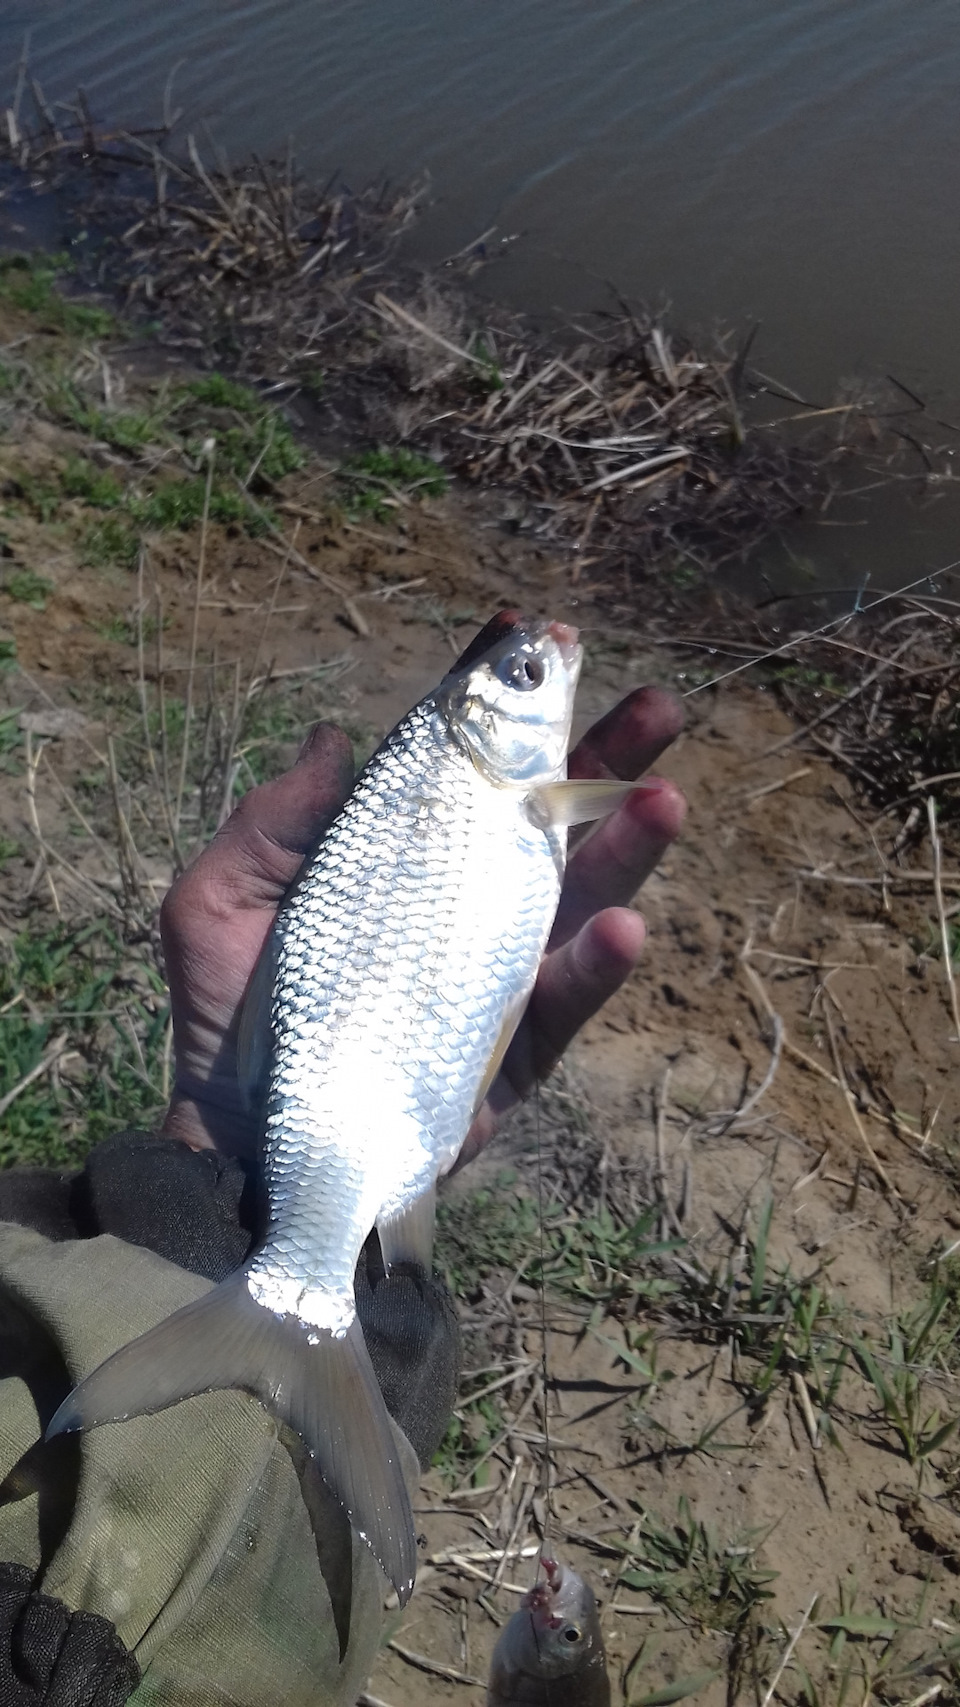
x=50, y=1657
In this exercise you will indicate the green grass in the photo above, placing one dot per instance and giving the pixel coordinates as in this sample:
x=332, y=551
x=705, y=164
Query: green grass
x=592, y=1258
x=108, y=542
x=776, y=1324
x=918, y=1339
x=27, y=588
x=370, y=480
x=867, y=1654
x=254, y=442
x=480, y=1231
x=254, y=439
x=471, y=1432
x=699, y=1577
x=179, y=504
x=41, y=496
x=218, y=392
x=83, y=984
x=29, y=283
x=92, y=485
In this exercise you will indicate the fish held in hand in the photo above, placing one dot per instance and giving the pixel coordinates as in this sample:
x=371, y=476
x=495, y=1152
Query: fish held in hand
x=551, y=1654
x=388, y=990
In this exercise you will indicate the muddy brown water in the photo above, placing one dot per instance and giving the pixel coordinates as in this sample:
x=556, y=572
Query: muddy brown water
x=794, y=165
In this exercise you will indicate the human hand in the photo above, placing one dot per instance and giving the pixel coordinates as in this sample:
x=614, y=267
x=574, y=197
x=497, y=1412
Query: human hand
x=215, y=919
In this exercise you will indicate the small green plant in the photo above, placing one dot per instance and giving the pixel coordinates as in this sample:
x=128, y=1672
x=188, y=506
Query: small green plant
x=463, y=1453
x=266, y=450
x=483, y=1230
x=123, y=430
x=873, y=1656
x=28, y=588
x=917, y=1339
x=602, y=1259
x=219, y=392
x=94, y=486
x=699, y=1578
x=40, y=495
x=373, y=478
x=487, y=376
x=777, y=1324
x=110, y=541
x=591, y=1258
x=28, y=282
x=119, y=629
x=259, y=445
x=95, y=1011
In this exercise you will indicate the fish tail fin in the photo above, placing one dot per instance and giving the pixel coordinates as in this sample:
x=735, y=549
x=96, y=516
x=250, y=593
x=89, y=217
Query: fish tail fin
x=322, y=1387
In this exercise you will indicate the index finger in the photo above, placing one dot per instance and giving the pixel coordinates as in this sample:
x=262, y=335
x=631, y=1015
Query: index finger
x=631, y=737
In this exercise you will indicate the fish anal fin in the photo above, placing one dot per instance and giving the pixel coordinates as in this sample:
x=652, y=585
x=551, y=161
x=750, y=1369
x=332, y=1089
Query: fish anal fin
x=321, y=1386
x=513, y=1014
x=408, y=1236
x=255, y=1032
x=582, y=801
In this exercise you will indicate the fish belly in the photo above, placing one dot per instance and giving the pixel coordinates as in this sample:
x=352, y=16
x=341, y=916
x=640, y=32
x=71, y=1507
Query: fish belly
x=402, y=956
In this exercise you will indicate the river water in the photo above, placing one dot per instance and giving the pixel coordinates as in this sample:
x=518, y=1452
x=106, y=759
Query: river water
x=795, y=164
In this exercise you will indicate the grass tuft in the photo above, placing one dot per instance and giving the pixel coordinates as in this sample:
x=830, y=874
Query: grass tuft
x=373, y=480
x=29, y=283
x=28, y=588
x=82, y=987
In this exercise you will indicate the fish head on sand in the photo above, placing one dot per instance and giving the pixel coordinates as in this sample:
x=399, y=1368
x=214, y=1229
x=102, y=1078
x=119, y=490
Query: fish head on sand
x=551, y=1650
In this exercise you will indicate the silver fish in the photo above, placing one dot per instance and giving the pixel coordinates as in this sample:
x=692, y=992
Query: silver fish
x=394, y=977
x=551, y=1654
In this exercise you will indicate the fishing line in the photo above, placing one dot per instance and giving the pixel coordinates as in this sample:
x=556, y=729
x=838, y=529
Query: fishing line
x=544, y=1357
x=814, y=633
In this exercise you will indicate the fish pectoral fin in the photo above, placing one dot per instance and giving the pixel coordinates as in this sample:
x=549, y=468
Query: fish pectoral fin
x=322, y=1387
x=255, y=1032
x=582, y=801
x=408, y=1237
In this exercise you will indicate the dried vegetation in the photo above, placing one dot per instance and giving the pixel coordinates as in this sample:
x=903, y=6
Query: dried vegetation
x=619, y=439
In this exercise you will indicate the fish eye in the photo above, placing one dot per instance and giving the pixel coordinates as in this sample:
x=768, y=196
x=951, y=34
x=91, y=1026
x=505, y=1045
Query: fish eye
x=522, y=670
x=572, y=1633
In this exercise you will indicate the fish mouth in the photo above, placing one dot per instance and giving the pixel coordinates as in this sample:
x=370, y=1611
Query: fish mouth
x=567, y=639
x=543, y=1594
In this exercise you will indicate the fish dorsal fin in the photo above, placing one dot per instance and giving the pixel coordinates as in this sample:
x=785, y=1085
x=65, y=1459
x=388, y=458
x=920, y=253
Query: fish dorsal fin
x=255, y=1034
x=408, y=1236
x=582, y=801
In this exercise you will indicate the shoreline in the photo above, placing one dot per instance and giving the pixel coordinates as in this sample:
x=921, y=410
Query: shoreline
x=620, y=443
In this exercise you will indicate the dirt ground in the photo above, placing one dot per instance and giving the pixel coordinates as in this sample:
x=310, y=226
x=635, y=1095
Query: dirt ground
x=698, y=1482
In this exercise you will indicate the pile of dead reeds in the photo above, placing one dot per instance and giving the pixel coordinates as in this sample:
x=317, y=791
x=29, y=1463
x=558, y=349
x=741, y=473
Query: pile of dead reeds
x=627, y=441
x=878, y=689
x=250, y=267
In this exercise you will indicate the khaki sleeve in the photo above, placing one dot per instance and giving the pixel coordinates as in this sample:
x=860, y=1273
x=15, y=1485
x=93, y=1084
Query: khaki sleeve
x=187, y=1530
